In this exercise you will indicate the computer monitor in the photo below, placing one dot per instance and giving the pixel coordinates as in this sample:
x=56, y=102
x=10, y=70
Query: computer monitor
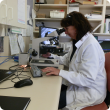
x=44, y=31
x=105, y=44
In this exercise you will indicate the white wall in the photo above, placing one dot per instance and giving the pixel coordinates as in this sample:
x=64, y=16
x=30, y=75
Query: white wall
x=7, y=51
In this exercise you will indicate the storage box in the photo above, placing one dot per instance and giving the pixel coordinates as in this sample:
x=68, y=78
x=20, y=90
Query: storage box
x=59, y=1
x=40, y=15
x=36, y=28
x=57, y=14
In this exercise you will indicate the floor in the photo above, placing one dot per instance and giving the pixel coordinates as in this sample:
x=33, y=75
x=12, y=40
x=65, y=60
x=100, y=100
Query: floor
x=67, y=109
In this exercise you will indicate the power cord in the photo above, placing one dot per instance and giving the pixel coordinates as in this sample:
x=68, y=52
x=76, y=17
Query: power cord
x=29, y=50
x=38, y=8
x=18, y=69
x=7, y=59
x=7, y=88
x=17, y=76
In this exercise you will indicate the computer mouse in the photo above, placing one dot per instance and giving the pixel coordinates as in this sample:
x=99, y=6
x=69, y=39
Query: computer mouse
x=22, y=83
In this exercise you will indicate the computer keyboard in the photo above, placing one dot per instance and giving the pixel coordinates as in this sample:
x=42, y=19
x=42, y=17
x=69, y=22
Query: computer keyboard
x=35, y=71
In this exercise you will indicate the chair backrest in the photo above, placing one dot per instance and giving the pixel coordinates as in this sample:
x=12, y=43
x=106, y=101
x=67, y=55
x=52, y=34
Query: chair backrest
x=103, y=106
x=107, y=67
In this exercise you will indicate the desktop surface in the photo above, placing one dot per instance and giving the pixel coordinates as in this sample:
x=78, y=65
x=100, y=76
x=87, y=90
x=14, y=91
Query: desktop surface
x=44, y=92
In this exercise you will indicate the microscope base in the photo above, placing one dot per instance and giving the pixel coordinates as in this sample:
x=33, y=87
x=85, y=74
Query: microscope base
x=45, y=62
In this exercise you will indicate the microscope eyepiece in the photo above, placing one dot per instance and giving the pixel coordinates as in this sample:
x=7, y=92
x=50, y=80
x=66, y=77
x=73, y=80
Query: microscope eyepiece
x=59, y=31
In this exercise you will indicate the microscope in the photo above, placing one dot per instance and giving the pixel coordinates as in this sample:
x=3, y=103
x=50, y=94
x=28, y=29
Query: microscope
x=37, y=59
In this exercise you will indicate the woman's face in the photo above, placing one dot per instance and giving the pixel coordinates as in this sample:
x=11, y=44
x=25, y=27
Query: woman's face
x=71, y=31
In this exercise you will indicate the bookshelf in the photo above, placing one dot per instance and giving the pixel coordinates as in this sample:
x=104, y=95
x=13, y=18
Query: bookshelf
x=50, y=19
x=85, y=9
x=101, y=34
x=56, y=6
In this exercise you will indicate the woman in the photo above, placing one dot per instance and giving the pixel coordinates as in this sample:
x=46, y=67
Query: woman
x=86, y=76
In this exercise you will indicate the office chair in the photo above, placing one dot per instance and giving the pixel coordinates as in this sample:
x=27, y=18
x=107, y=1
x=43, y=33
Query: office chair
x=103, y=105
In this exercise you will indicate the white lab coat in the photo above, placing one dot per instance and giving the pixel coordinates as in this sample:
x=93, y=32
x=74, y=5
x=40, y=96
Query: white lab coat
x=86, y=75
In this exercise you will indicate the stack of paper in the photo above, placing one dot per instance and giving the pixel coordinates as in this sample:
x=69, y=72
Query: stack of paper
x=87, y=2
x=74, y=7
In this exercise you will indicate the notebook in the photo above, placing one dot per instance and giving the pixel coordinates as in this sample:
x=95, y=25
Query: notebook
x=14, y=103
x=5, y=74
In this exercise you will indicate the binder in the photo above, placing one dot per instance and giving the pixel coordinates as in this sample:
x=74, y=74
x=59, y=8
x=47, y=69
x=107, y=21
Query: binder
x=14, y=103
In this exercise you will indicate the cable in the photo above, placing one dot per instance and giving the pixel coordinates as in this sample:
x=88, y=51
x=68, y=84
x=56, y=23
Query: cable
x=18, y=69
x=38, y=8
x=13, y=66
x=8, y=56
x=7, y=59
x=18, y=74
x=7, y=88
x=29, y=50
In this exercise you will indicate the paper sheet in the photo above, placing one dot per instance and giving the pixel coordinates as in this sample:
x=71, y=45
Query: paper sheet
x=74, y=7
x=23, y=32
x=28, y=30
x=13, y=44
x=31, y=32
x=33, y=14
x=28, y=11
x=21, y=11
x=21, y=43
x=30, y=21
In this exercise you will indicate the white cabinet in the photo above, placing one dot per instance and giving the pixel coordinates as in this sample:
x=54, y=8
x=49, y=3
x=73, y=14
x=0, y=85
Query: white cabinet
x=12, y=16
x=3, y=12
x=9, y=13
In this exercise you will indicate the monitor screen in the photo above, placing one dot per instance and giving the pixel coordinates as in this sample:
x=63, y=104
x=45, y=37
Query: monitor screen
x=44, y=31
x=105, y=44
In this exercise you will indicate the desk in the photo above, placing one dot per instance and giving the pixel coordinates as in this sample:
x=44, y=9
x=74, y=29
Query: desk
x=44, y=92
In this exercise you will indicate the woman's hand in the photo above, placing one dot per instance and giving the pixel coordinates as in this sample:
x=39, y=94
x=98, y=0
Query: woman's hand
x=46, y=55
x=51, y=71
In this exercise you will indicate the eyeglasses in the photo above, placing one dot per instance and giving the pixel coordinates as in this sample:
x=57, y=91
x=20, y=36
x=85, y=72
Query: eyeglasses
x=68, y=16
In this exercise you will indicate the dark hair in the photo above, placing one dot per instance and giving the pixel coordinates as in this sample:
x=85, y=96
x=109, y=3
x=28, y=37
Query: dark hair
x=80, y=22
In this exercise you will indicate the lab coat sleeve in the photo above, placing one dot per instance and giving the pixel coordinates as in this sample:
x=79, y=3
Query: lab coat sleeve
x=64, y=60
x=88, y=68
